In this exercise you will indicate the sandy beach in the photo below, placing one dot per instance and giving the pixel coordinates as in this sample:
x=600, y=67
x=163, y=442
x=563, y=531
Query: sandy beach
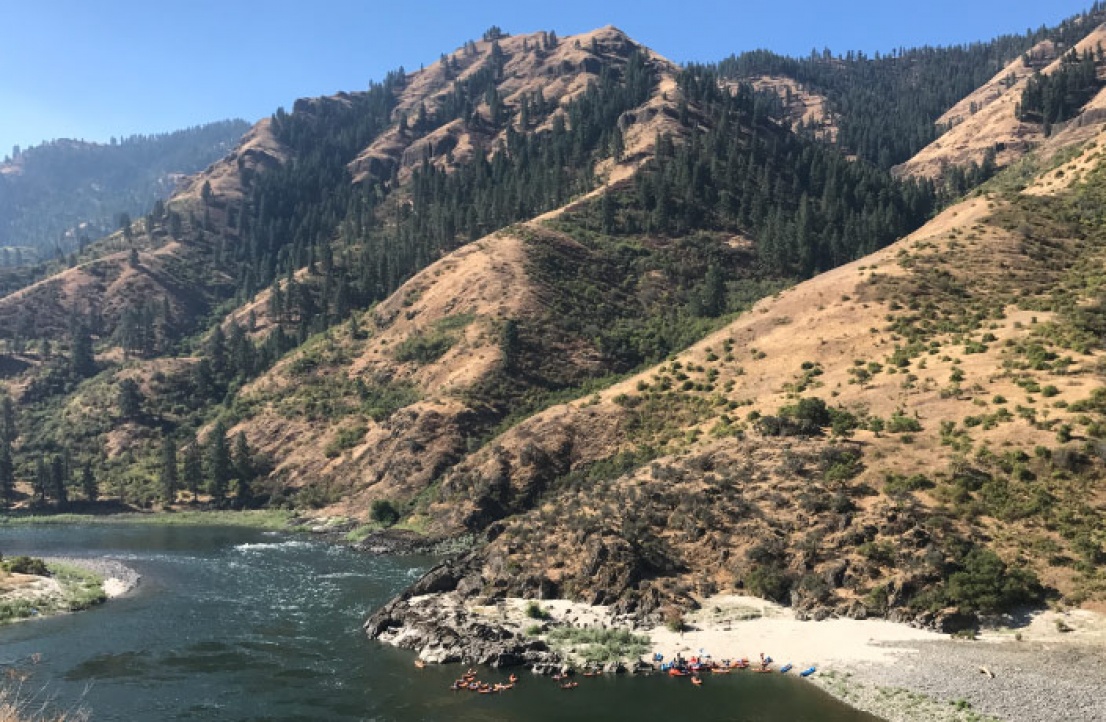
x=1018, y=672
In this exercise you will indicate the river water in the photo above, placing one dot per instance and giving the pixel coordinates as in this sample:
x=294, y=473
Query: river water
x=239, y=624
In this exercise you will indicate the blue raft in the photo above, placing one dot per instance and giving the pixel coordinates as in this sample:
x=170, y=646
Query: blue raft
x=807, y=672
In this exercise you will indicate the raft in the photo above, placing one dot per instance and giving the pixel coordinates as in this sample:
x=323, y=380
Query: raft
x=807, y=672
x=696, y=681
x=785, y=668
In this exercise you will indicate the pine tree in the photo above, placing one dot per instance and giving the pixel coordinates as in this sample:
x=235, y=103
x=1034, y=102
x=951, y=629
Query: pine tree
x=59, y=480
x=89, y=484
x=714, y=293
x=167, y=476
x=7, y=475
x=216, y=351
x=192, y=468
x=243, y=469
x=219, y=465
x=82, y=362
x=130, y=399
x=41, y=481
x=510, y=345
x=8, y=428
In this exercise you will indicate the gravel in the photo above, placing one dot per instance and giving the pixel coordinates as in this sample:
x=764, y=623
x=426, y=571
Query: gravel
x=939, y=681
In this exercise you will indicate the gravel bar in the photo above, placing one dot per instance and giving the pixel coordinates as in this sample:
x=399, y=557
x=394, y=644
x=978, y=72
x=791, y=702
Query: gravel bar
x=965, y=680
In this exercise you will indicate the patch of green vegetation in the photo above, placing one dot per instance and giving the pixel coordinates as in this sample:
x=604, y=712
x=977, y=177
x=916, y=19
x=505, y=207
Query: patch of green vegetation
x=599, y=645
x=384, y=512
x=981, y=582
x=900, y=423
x=897, y=484
x=424, y=348
x=81, y=588
x=346, y=438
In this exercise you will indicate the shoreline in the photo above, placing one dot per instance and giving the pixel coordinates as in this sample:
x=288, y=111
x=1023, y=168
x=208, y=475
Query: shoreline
x=891, y=670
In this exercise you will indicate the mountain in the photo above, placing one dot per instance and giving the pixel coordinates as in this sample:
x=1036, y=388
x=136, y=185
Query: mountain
x=63, y=194
x=643, y=331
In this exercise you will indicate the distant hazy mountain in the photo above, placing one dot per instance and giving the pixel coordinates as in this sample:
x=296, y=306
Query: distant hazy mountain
x=54, y=193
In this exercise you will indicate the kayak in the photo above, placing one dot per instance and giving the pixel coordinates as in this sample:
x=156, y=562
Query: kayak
x=785, y=668
x=807, y=672
x=674, y=672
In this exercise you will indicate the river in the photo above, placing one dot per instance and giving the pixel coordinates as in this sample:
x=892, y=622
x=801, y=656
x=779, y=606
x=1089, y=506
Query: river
x=239, y=624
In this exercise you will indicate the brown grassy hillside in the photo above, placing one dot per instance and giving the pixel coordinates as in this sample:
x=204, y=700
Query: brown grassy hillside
x=986, y=121
x=966, y=356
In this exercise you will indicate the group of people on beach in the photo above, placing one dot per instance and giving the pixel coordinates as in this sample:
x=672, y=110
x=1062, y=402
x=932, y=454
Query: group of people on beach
x=704, y=662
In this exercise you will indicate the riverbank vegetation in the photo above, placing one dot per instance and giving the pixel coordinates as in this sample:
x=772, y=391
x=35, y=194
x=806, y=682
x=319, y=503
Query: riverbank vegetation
x=268, y=519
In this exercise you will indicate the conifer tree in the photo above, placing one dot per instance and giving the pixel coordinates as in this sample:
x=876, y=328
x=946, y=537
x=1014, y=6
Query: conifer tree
x=89, y=484
x=42, y=480
x=167, y=476
x=130, y=399
x=7, y=475
x=59, y=480
x=9, y=431
x=82, y=362
x=220, y=468
x=192, y=468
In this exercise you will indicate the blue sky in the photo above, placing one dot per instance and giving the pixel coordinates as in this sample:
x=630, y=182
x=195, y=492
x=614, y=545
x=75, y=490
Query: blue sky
x=94, y=69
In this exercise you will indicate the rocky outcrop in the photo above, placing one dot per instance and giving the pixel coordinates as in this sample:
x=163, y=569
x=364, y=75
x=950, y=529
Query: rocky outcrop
x=443, y=631
x=431, y=618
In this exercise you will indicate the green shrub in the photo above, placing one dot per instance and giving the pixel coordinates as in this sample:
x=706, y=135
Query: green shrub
x=424, y=348
x=600, y=645
x=26, y=565
x=384, y=512
x=882, y=553
x=346, y=438
x=770, y=582
x=988, y=585
x=535, y=611
x=811, y=409
x=900, y=423
x=897, y=485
